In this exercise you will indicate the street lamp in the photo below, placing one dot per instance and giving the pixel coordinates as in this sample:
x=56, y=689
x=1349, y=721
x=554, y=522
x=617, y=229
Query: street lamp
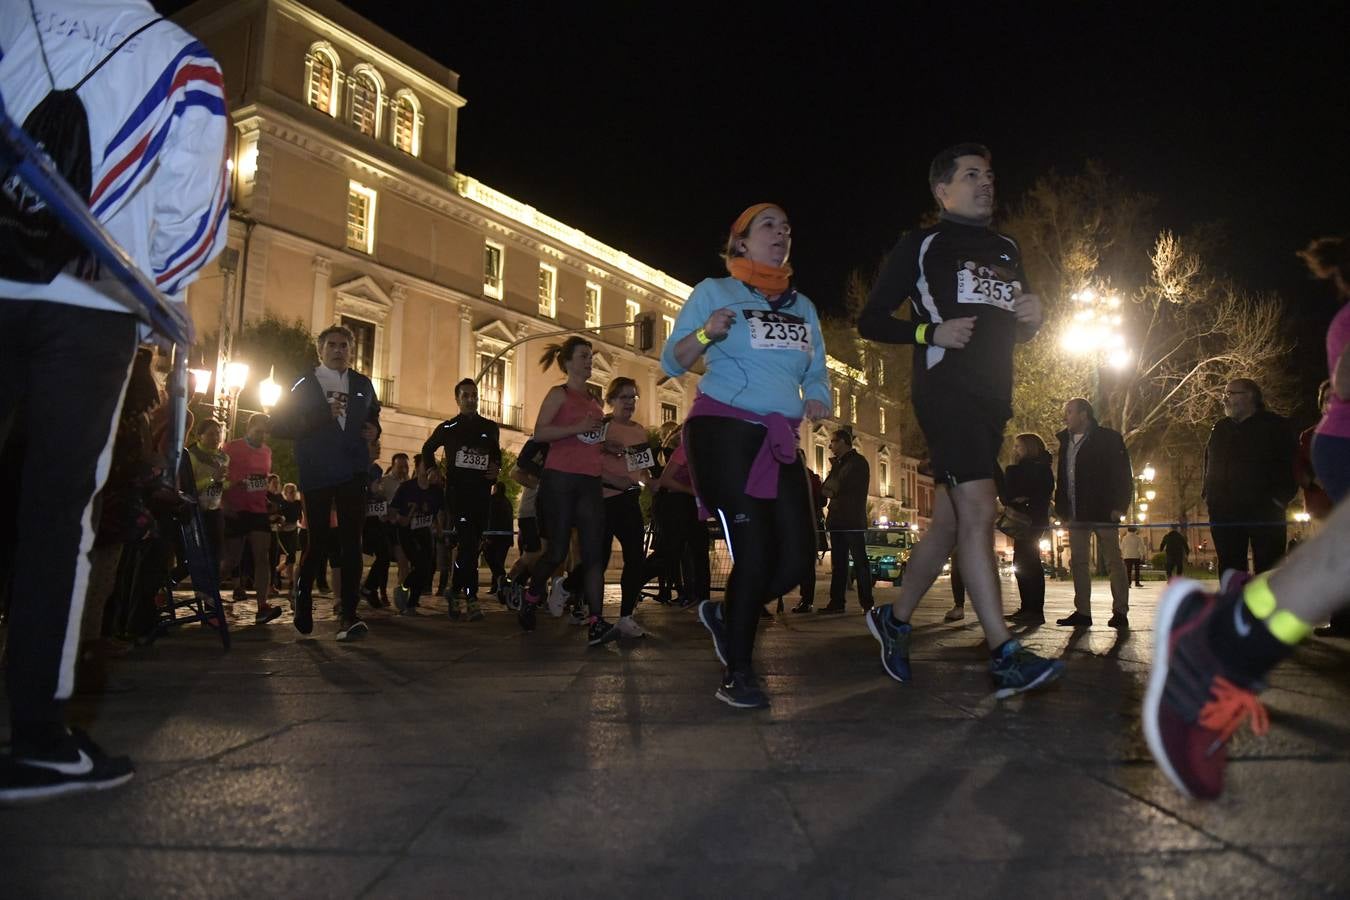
x=236, y=376
x=201, y=380
x=269, y=392
x=1096, y=331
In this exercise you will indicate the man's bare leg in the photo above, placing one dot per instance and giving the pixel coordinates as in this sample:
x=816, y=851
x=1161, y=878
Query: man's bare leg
x=928, y=556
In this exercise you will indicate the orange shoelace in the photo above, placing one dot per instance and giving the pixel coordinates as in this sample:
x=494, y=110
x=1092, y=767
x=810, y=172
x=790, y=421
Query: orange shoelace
x=1231, y=707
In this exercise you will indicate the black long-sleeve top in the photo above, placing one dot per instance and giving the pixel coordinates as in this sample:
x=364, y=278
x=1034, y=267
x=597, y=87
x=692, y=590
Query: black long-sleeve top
x=1249, y=467
x=953, y=270
x=472, y=443
x=1028, y=486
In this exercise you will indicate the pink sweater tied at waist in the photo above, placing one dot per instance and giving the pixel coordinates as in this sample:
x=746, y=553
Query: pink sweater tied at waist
x=779, y=447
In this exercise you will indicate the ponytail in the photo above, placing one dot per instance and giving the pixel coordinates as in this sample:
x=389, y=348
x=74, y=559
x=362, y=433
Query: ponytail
x=561, y=353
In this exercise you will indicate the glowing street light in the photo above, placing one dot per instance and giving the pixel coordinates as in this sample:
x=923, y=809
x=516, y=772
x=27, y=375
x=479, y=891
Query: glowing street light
x=1149, y=473
x=236, y=376
x=1045, y=545
x=269, y=392
x=1150, y=494
x=201, y=380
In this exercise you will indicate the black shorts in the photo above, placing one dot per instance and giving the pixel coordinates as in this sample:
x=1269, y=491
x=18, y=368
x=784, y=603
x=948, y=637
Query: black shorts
x=529, y=535
x=242, y=524
x=964, y=434
x=290, y=543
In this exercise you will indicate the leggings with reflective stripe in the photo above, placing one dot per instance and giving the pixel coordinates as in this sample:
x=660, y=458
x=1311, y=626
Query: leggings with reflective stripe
x=772, y=542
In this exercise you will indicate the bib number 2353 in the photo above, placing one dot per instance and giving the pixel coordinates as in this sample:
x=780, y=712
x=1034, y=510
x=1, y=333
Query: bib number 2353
x=777, y=331
x=971, y=287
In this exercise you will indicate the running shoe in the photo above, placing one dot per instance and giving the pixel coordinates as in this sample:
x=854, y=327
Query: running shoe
x=514, y=592
x=72, y=765
x=267, y=614
x=1017, y=669
x=304, y=611
x=472, y=612
x=529, y=604
x=372, y=597
x=628, y=627
x=452, y=607
x=352, y=629
x=955, y=614
x=401, y=595
x=1193, y=706
x=579, y=615
x=600, y=631
x=741, y=690
x=710, y=614
x=893, y=636
x=558, y=597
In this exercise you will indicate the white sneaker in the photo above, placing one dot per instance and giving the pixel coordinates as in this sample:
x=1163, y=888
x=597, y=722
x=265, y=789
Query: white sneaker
x=557, y=597
x=579, y=616
x=628, y=627
x=955, y=614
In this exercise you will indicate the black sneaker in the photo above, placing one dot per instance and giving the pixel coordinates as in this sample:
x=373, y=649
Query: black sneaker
x=831, y=609
x=75, y=766
x=262, y=617
x=741, y=690
x=529, y=605
x=710, y=614
x=803, y=607
x=352, y=629
x=1075, y=620
x=304, y=611
x=600, y=631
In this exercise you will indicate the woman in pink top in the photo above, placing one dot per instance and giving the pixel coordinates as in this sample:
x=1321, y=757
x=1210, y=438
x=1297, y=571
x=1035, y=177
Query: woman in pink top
x=1329, y=258
x=570, y=496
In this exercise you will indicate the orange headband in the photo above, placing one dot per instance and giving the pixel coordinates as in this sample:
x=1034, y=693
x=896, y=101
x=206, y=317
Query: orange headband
x=744, y=219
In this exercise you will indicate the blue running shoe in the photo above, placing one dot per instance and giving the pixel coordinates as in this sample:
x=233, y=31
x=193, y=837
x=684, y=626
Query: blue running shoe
x=1017, y=669
x=893, y=637
x=710, y=614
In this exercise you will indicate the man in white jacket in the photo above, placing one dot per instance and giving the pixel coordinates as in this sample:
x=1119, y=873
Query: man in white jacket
x=157, y=126
x=1132, y=551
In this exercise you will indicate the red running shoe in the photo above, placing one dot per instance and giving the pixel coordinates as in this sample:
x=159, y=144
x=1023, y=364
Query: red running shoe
x=1194, y=705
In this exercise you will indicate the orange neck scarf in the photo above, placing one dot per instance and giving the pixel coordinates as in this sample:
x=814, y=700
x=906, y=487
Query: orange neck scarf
x=772, y=280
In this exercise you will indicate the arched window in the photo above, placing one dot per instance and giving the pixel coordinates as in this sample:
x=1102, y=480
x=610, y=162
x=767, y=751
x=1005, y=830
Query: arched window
x=367, y=93
x=321, y=77
x=407, y=133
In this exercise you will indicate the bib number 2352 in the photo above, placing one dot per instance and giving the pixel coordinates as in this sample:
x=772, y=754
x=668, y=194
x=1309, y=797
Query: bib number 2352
x=777, y=331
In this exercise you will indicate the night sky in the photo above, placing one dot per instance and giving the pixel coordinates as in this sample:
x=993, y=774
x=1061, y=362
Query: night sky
x=650, y=126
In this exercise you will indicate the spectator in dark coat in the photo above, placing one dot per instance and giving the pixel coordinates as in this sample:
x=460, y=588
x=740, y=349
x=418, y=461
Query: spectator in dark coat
x=1027, y=487
x=1094, y=487
x=846, y=520
x=1174, y=551
x=1249, y=479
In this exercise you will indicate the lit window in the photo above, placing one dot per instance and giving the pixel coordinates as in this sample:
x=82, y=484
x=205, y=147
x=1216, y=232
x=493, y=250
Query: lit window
x=669, y=413
x=492, y=269
x=367, y=93
x=820, y=459
x=837, y=407
x=407, y=131
x=884, y=476
x=881, y=373
x=881, y=420
x=592, y=305
x=667, y=327
x=363, y=338
x=631, y=310
x=548, y=291
x=853, y=408
x=361, y=218
x=321, y=70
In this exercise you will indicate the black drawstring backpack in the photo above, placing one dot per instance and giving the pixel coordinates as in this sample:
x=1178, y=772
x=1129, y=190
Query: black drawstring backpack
x=34, y=245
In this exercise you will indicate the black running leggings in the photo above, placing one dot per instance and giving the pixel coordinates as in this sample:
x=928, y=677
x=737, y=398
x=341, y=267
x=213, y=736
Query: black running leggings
x=419, y=546
x=623, y=520
x=566, y=501
x=772, y=542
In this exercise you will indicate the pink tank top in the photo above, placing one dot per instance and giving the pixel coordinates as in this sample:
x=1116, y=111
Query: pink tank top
x=579, y=453
x=624, y=470
x=249, y=467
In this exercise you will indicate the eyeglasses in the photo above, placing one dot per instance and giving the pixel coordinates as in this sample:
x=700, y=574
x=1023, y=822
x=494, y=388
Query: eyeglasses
x=625, y=397
x=1236, y=393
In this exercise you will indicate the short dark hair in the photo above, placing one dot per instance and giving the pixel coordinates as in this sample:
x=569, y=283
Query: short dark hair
x=845, y=435
x=335, y=329
x=1085, y=405
x=204, y=424
x=463, y=383
x=397, y=456
x=943, y=167
x=616, y=384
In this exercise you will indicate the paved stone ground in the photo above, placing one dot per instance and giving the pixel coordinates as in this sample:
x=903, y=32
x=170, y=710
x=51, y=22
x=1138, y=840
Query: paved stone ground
x=449, y=759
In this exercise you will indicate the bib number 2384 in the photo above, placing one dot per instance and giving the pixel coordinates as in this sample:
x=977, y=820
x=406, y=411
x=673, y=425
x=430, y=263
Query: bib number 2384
x=777, y=331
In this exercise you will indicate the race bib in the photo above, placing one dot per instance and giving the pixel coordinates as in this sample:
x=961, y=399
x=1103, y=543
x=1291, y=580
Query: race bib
x=211, y=496
x=255, y=483
x=981, y=285
x=639, y=457
x=471, y=459
x=777, y=331
x=594, y=437
x=419, y=522
x=376, y=508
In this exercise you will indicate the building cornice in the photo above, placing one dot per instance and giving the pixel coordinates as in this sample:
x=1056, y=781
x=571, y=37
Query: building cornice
x=370, y=53
x=479, y=206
